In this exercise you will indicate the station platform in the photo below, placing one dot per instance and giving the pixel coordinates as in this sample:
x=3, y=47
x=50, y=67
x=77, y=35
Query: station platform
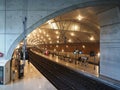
x=89, y=70
x=32, y=80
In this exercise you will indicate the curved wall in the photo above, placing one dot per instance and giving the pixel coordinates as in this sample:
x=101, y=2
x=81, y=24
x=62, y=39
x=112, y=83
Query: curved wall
x=38, y=13
x=12, y=13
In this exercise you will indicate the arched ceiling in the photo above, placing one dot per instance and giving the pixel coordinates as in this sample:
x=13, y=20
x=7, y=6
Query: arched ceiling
x=78, y=26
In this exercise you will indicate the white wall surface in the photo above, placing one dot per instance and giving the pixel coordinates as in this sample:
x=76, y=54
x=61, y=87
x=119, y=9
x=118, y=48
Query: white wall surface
x=110, y=43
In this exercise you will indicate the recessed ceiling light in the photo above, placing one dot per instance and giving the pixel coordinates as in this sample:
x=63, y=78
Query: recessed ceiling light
x=80, y=17
x=69, y=40
x=41, y=37
x=47, y=35
x=57, y=41
x=83, y=46
x=54, y=26
x=62, y=50
x=57, y=46
x=92, y=38
x=49, y=38
x=54, y=49
x=72, y=34
x=66, y=46
x=57, y=37
x=98, y=54
x=28, y=35
x=49, y=22
x=57, y=32
x=44, y=32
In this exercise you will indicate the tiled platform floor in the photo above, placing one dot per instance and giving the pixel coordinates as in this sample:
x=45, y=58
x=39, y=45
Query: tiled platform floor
x=33, y=80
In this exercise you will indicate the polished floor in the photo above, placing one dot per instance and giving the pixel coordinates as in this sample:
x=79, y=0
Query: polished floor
x=33, y=80
x=88, y=69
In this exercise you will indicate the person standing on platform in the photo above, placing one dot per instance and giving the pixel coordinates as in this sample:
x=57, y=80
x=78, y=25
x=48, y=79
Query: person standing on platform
x=13, y=75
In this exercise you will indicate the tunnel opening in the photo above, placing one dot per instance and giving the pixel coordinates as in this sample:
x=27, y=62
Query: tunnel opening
x=73, y=37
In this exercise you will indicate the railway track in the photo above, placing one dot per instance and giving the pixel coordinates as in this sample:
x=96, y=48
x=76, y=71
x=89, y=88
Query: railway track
x=64, y=78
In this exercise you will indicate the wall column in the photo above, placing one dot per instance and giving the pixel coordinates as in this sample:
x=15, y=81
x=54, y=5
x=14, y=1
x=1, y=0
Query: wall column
x=110, y=43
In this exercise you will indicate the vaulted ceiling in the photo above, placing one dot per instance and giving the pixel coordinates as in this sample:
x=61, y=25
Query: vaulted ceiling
x=81, y=25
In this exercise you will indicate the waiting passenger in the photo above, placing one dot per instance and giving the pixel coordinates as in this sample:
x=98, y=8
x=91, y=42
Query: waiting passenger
x=13, y=75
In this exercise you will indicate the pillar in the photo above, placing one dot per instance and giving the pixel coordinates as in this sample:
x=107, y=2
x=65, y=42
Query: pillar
x=110, y=43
